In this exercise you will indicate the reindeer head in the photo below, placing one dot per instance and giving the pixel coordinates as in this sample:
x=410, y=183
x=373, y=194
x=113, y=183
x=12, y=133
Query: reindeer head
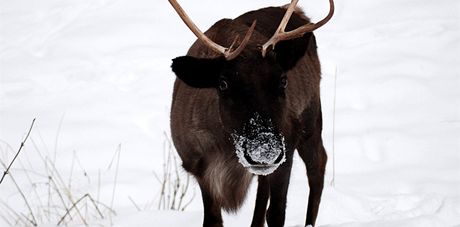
x=251, y=82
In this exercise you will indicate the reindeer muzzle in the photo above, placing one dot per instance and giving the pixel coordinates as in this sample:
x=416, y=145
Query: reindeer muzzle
x=259, y=147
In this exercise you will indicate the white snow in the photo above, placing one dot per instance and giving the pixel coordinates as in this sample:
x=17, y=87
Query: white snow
x=96, y=74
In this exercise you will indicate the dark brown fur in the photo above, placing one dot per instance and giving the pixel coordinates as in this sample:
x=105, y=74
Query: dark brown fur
x=202, y=138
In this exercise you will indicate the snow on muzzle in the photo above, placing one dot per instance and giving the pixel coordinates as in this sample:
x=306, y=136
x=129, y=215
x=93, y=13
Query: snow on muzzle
x=259, y=148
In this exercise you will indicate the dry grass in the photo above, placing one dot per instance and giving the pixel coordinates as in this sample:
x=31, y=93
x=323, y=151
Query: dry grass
x=42, y=195
x=175, y=183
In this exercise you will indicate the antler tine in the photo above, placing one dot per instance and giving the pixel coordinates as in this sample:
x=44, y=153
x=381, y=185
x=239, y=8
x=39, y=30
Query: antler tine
x=235, y=53
x=227, y=52
x=198, y=33
x=280, y=33
x=280, y=30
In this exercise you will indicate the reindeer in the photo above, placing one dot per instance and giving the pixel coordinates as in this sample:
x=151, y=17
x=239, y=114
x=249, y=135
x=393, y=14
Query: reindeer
x=243, y=110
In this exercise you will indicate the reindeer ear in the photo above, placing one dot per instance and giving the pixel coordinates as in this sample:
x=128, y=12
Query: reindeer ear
x=289, y=52
x=198, y=72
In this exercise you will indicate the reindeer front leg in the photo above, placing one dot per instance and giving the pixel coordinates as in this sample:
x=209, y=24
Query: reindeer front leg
x=212, y=209
x=263, y=193
x=315, y=172
x=313, y=154
x=279, y=184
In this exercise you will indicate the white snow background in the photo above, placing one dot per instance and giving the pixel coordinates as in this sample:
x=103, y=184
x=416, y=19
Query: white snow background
x=96, y=74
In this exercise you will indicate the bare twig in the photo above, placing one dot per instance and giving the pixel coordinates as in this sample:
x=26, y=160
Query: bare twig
x=116, y=176
x=184, y=192
x=58, y=133
x=118, y=153
x=82, y=168
x=134, y=203
x=34, y=188
x=106, y=207
x=6, y=220
x=98, y=184
x=7, y=145
x=59, y=181
x=14, y=213
x=190, y=201
x=174, y=187
x=95, y=206
x=49, y=195
x=163, y=182
x=59, y=192
x=20, y=148
x=333, y=129
x=56, y=188
x=177, y=183
x=74, y=205
x=33, y=221
x=71, y=171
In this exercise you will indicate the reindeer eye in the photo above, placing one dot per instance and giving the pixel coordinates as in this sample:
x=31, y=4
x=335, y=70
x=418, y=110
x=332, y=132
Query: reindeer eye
x=283, y=82
x=223, y=85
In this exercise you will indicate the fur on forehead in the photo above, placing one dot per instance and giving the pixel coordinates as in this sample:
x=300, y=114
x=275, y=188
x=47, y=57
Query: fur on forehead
x=224, y=33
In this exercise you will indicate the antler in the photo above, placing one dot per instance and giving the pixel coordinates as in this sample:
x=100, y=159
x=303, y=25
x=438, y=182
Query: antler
x=281, y=35
x=227, y=52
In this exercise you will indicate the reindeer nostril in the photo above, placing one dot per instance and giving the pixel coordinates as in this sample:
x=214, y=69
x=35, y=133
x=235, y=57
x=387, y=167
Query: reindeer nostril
x=249, y=159
x=279, y=159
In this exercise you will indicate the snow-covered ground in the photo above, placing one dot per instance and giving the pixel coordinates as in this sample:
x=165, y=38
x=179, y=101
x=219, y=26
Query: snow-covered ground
x=96, y=75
